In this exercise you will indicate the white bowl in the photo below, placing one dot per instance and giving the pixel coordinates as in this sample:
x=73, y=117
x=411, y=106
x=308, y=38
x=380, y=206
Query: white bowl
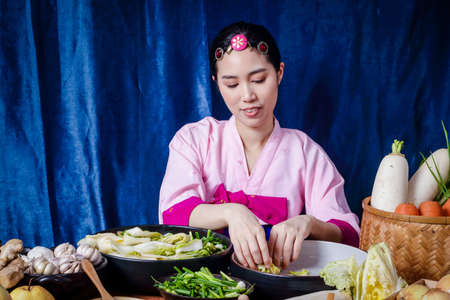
x=317, y=254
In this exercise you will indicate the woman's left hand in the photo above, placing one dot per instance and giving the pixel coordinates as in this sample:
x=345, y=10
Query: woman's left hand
x=286, y=239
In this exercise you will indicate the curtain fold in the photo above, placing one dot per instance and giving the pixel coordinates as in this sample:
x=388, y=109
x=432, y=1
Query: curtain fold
x=91, y=93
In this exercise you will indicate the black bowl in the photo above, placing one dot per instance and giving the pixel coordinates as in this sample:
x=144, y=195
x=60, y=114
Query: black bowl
x=66, y=286
x=134, y=275
x=170, y=296
x=270, y=286
x=313, y=257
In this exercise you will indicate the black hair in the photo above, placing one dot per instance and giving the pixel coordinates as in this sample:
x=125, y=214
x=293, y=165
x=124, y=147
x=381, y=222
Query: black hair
x=254, y=34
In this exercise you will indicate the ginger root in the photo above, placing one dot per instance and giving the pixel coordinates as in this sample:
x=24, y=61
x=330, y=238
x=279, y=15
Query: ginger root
x=9, y=251
x=11, y=266
x=12, y=273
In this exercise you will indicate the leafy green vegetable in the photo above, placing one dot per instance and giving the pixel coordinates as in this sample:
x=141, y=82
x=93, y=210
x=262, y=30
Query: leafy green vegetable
x=341, y=274
x=376, y=279
x=143, y=244
x=379, y=276
x=203, y=284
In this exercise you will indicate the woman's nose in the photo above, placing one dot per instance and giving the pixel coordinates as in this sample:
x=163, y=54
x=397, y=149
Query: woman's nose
x=247, y=94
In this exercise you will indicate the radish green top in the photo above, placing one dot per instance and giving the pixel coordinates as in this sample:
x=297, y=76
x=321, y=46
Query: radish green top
x=397, y=147
x=448, y=144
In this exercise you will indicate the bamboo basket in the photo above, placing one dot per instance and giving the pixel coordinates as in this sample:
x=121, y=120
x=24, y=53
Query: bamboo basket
x=419, y=245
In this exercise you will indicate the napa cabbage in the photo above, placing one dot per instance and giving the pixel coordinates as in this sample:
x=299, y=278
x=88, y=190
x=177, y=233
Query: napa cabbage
x=375, y=279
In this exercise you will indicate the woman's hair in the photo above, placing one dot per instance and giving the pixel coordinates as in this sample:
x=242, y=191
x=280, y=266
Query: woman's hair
x=253, y=33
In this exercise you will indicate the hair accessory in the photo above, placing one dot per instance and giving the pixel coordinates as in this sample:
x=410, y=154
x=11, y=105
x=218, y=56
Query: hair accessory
x=262, y=48
x=219, y=53
x=239, y=42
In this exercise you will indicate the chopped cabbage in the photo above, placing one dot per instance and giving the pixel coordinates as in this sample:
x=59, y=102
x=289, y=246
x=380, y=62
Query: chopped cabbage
x=143, y=244
x=272, y=270
x=341, y=274
x=302, y=272
x=138, y=232
x=176, y=238
x=105, y=244
x=193, y=245
x=152, y=246
x=131, y=240
x=124, y=250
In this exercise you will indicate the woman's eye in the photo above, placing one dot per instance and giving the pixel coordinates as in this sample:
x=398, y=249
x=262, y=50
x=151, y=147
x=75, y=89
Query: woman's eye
x=259, y=80
x=232, y=85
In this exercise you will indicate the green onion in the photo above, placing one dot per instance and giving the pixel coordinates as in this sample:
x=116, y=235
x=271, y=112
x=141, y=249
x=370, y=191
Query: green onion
x=203, y=284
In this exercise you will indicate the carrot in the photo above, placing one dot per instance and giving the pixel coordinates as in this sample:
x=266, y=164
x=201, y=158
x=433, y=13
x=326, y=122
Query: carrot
x=430, y=209
x=446, y=208
x=406, y=209
x=390, y=187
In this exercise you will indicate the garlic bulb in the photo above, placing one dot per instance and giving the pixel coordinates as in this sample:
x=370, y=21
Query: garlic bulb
x=28, y=263
x=43, y=266
x=90, y=253
x=26, y=259
x=64, y=249
x=40, y=251
x=69, y=264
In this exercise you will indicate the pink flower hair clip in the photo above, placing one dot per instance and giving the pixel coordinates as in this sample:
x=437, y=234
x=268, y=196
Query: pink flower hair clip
x=239, y=42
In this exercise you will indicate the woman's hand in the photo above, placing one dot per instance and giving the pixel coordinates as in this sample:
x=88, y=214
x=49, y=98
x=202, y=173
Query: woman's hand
x=247, y=236
x=286, y=239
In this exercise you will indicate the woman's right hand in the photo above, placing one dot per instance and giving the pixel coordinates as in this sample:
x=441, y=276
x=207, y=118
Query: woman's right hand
x=247, y=236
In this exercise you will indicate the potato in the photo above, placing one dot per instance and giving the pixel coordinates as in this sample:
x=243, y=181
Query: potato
x=444, y=283
x=412, y=292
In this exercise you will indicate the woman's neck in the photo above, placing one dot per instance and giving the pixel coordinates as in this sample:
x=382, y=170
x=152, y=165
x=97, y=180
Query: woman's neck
x=254, y=138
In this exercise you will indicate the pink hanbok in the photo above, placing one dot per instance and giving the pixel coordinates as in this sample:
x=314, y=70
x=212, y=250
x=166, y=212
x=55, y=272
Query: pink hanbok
x=293, y=175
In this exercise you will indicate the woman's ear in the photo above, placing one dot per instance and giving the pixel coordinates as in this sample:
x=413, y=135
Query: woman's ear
x=213, y=77
x=280, y=72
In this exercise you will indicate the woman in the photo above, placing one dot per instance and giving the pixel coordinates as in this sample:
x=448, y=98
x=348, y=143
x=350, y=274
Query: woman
x=248, y=171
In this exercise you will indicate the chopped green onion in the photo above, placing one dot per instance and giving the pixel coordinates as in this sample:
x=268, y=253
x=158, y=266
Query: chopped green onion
x=203, y=284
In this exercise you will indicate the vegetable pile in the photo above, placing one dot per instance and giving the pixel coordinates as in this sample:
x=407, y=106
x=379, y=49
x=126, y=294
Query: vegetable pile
x=375, y=279
x=275, y=270
x=203, y=284
x=143, y=244
x=64, y=259
x=426, y=193
x=272, y=270
x=426, y=290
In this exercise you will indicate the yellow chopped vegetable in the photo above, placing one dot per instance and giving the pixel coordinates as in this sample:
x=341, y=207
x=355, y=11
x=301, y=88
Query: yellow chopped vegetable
x=302, y=272
x=272, y=270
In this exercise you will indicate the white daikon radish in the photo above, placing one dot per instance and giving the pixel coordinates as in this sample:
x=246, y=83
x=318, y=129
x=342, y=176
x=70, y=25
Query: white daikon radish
x=422, y=185
x=390, y=187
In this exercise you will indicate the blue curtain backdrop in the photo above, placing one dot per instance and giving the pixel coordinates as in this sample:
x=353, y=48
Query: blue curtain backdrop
x=91, y=92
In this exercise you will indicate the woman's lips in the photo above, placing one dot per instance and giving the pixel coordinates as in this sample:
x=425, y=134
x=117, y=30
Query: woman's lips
x=251, y=112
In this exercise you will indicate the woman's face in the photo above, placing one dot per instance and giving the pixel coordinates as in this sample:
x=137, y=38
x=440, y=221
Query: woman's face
x=249, y=83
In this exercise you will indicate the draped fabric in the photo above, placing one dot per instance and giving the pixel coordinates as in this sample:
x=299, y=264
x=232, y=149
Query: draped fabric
x=91, y=92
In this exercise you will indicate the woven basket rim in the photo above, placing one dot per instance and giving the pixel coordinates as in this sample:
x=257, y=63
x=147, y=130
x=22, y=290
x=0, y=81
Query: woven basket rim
x=444, y=220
